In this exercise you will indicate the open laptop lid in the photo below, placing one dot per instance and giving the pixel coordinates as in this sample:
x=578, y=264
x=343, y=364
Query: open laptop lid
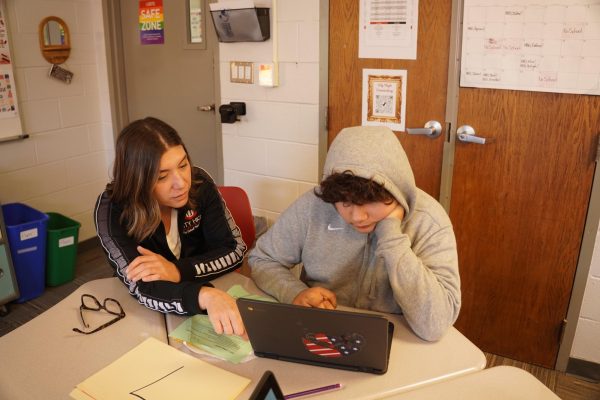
x=328, y=338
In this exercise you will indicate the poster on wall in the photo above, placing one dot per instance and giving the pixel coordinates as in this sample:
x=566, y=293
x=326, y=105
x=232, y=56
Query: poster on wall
x=388, y=29
x=384, y=98
x=532, y=45
x=7, y=98
x=8, y=107
x=10, y=122
x=151, y=22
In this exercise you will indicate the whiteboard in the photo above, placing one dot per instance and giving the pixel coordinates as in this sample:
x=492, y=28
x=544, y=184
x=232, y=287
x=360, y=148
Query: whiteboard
x=535, y=45
x=10, y=123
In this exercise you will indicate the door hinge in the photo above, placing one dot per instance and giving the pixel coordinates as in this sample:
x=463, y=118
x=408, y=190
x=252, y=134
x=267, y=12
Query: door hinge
x=563, y=328
x=598, y=149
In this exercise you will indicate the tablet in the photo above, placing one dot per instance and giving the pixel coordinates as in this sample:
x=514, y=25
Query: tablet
x=267, y=388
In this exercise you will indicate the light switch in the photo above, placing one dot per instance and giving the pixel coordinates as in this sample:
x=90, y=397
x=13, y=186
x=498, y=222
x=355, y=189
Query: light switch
x=241, y=72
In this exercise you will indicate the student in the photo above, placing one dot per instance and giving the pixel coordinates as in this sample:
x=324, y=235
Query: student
x=165, y=229
x=367, y=238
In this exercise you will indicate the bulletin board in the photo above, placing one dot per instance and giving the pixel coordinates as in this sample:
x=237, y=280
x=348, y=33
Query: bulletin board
x=10, y=122
x=532, y=45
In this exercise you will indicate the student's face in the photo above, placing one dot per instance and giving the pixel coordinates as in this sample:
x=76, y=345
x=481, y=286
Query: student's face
x=174, y=178
x=365, y=217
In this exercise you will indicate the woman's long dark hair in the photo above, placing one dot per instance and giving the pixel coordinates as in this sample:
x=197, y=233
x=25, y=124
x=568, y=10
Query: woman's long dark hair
x=139, y=148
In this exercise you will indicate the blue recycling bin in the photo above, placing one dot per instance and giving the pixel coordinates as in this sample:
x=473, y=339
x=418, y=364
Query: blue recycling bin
x=26, y=229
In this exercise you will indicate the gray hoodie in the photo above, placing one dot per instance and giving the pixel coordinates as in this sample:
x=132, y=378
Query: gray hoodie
x=407, y=266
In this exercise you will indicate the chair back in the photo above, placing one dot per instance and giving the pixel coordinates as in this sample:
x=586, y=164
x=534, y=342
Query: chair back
x=238, y=204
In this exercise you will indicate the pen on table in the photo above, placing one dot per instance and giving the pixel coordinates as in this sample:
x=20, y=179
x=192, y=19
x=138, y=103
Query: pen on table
x=313, y=391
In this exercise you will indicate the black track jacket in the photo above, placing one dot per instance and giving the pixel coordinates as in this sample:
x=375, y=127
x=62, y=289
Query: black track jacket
x=211, y=245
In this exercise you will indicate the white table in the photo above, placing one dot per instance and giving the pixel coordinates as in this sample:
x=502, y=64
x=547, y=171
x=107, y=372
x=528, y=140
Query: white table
x=45, y=359
x=497, y=383
x=413, y=363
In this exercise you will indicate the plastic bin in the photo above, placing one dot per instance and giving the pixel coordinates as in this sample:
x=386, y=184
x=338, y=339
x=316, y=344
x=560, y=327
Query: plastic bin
x=26, y=231
x=61, y=249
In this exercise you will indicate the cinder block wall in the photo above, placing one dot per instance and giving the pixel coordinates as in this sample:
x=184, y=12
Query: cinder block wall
x=273, y=152
x=63, y=166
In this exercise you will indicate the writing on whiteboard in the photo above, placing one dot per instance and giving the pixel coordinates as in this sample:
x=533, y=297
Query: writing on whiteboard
x=547, y=46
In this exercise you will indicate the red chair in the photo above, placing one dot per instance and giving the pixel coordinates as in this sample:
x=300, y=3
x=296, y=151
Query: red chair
x=238, y=204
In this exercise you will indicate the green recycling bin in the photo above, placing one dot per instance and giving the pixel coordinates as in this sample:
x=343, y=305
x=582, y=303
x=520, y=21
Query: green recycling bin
x=61, y=249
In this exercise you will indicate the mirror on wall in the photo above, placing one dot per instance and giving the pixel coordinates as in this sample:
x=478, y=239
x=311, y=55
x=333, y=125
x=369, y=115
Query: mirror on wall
x=55, y=42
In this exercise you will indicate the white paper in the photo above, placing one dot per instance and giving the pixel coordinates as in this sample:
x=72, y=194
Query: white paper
x=67, y=241
x=532, y=45
x=384, y=98
x=388, y=29
x=28, y=234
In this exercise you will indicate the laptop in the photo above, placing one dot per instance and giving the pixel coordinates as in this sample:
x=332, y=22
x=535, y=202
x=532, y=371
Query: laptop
x=327, y=338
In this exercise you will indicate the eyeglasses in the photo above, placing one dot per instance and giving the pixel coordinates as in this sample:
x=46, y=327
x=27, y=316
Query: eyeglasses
x=111, y=306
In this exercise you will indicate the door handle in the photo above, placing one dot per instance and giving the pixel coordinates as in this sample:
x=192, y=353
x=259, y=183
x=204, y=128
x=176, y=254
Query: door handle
x=208, y=107
x=432, y=129
x=466, y=134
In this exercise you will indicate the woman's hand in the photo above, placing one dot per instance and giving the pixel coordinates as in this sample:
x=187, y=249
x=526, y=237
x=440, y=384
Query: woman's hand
x=316, y=297
x=151, y=266
x=222, y=311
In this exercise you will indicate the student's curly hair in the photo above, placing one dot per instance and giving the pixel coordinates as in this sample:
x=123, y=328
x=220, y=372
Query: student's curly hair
x=349, y=188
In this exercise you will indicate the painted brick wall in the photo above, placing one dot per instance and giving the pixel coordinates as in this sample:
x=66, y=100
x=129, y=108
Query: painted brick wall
x=63, y=166
x=273, y=152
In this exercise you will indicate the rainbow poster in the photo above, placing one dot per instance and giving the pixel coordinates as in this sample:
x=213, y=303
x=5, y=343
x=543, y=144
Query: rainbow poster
x=152, y=22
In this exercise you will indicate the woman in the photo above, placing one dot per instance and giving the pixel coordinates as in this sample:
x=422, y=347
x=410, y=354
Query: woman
x=165, y=229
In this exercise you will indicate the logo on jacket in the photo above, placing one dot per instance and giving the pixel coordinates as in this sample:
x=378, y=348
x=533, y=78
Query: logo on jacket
x=190, y=214
x=325, y=345
x=191, y=221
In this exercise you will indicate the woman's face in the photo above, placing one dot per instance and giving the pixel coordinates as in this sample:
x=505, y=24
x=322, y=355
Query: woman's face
x=174, y=179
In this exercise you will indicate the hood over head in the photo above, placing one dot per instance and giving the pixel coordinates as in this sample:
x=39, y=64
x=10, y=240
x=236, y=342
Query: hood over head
x=374, y=152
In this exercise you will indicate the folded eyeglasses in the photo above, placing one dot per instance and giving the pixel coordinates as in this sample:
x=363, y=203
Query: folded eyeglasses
x=110, y=305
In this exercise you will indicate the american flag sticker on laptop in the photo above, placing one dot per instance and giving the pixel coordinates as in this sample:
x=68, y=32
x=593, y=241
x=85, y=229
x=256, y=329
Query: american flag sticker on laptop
x=332, y=346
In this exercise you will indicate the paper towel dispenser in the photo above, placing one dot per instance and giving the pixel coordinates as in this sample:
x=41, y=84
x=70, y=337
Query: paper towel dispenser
x=242, y=24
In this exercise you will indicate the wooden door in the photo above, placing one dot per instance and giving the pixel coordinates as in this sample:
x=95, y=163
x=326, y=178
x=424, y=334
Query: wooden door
x=171, y=80
x=426, y=87
x=518, y=203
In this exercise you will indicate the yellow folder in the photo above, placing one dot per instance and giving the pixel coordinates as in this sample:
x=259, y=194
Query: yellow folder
x=154, y=370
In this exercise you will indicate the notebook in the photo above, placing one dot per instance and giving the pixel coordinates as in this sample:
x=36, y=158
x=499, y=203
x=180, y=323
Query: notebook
x=327, y=338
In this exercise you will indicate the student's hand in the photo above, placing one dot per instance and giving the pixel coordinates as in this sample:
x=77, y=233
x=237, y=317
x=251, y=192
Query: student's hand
x=397, y=212
x=151, y=266
x=222, y=311
x=316, y=297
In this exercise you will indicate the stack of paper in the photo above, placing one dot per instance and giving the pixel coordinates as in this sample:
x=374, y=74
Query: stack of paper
x=155, y=370
x=199, y=336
